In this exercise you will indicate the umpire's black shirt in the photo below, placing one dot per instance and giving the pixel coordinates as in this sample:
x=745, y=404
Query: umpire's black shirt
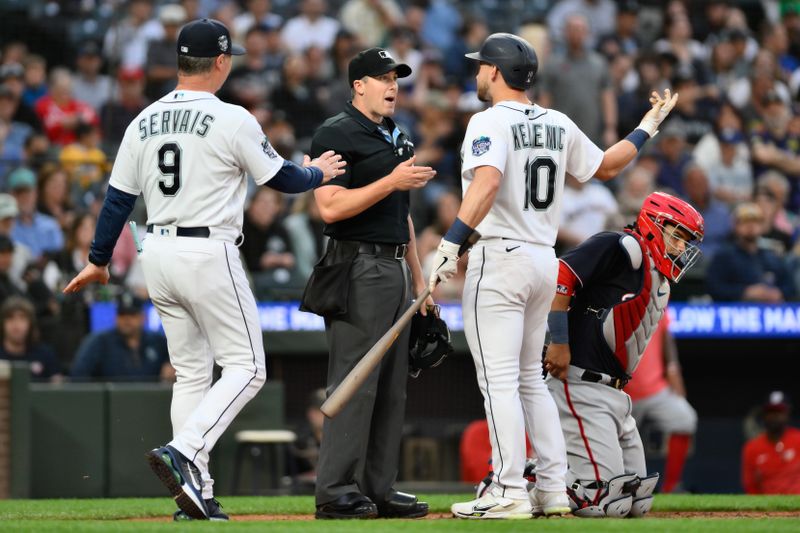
x=370, y=154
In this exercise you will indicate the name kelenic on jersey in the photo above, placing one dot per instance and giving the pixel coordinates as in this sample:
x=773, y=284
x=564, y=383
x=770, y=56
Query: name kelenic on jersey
x=169, y=121
x=536, y=135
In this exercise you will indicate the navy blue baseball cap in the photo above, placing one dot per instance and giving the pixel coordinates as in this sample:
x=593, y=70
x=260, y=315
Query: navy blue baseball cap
x=206, y=38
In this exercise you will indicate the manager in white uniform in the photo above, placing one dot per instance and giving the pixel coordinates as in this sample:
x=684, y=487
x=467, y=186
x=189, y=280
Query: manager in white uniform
x=189, y=154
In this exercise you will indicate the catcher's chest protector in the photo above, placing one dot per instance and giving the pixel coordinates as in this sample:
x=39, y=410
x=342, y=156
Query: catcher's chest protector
x=631, y=323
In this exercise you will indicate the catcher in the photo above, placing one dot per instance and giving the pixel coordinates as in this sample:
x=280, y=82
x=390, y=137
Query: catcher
x=612, y=291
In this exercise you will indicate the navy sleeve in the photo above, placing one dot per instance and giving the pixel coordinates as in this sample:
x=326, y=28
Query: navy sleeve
x=783, y=279
x=116, y=209
x=293, y=178
x=725, y=285
x=595, y=257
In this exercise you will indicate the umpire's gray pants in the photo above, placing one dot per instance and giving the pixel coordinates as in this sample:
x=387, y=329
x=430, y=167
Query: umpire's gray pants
x=668, y=411
x=360, y=447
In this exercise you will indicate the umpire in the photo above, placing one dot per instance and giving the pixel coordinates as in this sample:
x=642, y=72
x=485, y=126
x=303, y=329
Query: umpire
x=363, y=284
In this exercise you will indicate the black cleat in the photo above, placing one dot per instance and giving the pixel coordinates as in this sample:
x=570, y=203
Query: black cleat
x=215, y=513
x=182, y=478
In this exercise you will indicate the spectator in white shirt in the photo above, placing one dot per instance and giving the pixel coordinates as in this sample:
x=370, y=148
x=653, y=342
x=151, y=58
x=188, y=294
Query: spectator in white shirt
x=310, y=28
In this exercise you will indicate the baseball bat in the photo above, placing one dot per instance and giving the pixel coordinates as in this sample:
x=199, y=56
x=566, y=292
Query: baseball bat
x=350, y=384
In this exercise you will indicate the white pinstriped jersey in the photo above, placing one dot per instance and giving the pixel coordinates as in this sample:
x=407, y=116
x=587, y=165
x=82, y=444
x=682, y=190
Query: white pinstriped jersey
x=189, y=153
x=533, y=147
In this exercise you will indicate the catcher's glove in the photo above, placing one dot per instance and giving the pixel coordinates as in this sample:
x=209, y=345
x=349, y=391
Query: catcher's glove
x=429, y=341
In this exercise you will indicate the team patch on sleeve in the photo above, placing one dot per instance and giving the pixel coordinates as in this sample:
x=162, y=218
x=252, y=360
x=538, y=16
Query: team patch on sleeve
x=481, y=145
x=562, y=289
x=268, y=149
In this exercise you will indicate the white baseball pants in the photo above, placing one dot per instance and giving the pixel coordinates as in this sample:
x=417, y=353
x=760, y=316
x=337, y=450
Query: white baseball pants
x=209, y=315
x=509, y=288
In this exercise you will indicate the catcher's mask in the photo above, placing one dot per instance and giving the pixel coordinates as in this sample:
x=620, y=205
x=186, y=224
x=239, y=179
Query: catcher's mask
x=659, y=218
x=429, y=341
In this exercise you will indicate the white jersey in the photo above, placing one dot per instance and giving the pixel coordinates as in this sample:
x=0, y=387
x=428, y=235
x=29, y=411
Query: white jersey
x=533, y=147
x=189, y=153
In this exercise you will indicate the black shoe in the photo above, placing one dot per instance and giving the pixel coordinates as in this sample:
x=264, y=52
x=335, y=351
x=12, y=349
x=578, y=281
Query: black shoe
x=214, y=512
x=350, y=505
x=182, y=478
x=402, y=505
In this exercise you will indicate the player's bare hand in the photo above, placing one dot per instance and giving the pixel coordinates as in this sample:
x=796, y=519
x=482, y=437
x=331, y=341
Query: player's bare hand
x=429, y=303
x=557, y=359
x=91, y=273
x=662, y=105
x=407, y=175
x=330, y=163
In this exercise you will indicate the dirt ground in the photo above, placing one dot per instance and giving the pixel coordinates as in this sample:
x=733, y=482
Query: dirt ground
x=448, y=516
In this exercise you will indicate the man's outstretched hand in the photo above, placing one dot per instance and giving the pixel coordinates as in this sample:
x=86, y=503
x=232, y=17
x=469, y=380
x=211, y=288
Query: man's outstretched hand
x=662, y=105
x=91, y=273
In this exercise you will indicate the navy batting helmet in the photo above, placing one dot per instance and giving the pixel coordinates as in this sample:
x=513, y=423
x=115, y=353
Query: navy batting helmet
x=512, y=55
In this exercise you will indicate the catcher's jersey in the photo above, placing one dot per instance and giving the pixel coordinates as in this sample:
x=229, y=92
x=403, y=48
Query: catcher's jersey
x=533, y=147
x=189, y=153
x=617, y=307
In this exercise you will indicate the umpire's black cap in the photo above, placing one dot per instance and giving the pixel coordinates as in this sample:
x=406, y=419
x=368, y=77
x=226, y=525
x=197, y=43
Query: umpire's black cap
x=206, y=38
x=374, y=62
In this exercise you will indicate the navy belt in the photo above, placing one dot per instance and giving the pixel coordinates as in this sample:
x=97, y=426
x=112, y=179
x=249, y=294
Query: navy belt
x=611, y=381
x=202, y=232
x=396, y=251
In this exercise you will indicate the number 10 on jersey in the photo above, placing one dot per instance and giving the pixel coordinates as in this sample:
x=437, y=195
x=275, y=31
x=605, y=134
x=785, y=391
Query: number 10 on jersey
x=540, y=183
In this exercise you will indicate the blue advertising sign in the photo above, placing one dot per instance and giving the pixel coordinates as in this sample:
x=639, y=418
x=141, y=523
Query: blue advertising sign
x=686, y=320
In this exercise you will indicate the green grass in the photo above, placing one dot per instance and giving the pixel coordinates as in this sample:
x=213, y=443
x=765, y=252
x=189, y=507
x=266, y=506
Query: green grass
x=111, y=515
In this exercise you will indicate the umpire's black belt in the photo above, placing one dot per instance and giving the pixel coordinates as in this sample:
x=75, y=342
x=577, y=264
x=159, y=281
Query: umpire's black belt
x=604, y=379
x=202, y=232
x=395, y=251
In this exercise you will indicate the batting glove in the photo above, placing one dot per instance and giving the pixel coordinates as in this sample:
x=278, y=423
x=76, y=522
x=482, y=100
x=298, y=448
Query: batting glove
x=445, y=263
x=659, y=111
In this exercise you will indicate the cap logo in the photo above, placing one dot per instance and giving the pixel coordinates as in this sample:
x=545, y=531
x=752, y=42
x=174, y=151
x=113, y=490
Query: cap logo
x=223, y=43
x=383, y=54
x=184, y=49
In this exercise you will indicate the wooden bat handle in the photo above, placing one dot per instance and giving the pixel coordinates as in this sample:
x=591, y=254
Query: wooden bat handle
x=350, y=384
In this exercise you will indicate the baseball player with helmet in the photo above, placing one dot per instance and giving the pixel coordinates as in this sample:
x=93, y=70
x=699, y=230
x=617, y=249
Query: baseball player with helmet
x=515, y=156
x=189, y=154
x=612, y=292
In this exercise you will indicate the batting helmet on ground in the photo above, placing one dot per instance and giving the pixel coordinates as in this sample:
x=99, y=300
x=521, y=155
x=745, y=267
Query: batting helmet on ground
x=429, y=341
x=512, y=55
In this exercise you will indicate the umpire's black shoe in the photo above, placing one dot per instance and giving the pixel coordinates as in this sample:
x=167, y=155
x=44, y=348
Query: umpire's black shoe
x=215, y=513
x=182, y=478
x=402, y=505
x=350, y=505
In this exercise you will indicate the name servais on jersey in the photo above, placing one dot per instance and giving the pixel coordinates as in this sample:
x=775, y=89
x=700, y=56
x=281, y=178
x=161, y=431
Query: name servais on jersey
x=170, y=121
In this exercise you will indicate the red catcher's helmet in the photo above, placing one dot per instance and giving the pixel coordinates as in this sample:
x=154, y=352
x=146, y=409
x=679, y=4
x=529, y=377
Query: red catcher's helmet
x=660, y=209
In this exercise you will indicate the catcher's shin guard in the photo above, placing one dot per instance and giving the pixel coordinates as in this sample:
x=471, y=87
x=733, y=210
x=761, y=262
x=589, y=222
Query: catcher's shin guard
x=643, y=496
x=615, y=498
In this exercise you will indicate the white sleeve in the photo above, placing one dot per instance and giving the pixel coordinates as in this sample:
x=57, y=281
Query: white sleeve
x=125, y=173
x=484, y=145
x=583, y=156
x=254, y=153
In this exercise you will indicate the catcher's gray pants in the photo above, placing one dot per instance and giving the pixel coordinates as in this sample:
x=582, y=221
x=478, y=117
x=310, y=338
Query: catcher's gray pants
x=360, y=447
x=601, y=435
x=669, y=412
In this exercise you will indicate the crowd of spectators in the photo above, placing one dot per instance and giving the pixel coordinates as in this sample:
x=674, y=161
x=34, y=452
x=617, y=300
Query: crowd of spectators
x=731, y=147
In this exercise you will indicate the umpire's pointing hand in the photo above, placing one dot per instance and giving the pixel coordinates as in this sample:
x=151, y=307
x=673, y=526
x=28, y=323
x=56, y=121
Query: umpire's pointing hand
x=330, y=163
x=557, y=360
x=91, y=273
x=406, y=175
